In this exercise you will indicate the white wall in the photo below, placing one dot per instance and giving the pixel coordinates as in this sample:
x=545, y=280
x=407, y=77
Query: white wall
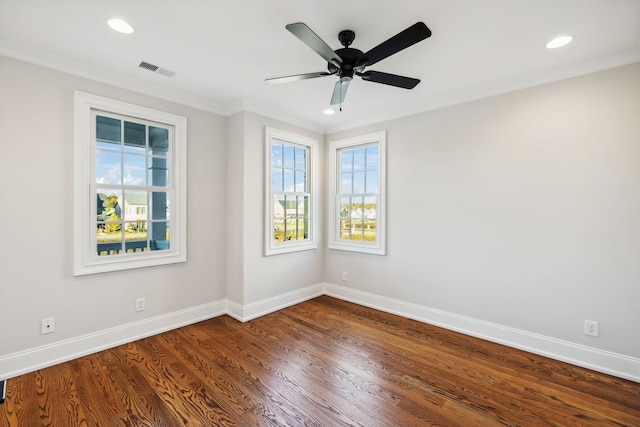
x=36, y=254
x=264, y=277
x=235, y=208
x=522, y=210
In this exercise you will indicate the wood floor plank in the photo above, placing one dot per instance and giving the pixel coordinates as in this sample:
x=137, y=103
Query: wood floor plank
x=280, y=391
x=441, y=381
x=324, y=362
x=527, y=375
x=367, y=393
x=292, y=377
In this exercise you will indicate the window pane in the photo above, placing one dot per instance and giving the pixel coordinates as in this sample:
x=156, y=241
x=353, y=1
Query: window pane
x=276, y=179
x=159, y=205
x=135, y=234
x=109, y=208
x=289, y=157
x=301, y=158
x=158, y=171
x=290, y=228
x=346, y=160
x=135, y=206
x=159, y=228
x=303, y=217
x=158, y=141
x=276, y=155
x=356, y=218
x=159, y=233
x=301, y=181
x=289, y=180
x=135, y=137
x=369, y=219
x=109, y=235
x=108, y=169
x=345, y=218
x=358, y=182
x=134, y=170
x=109, y=244
x=372, y=182
x=302, y=229
x=346, y=183
x=278, y=206
x=278, y=217
x=372, y=157
x=345, y=207
x=108, y=129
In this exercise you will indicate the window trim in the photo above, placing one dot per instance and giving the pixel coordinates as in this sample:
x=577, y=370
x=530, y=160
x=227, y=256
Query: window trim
x=86, y=260
x=271, y=247
x=334, y=242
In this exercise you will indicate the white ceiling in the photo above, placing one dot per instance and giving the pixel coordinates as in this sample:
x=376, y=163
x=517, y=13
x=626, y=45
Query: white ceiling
x=222, y=51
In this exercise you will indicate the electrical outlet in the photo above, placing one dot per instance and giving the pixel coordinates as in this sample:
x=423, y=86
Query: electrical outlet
x=344, y=276
x=47, y=325
x=141, y=304
x=591, y=328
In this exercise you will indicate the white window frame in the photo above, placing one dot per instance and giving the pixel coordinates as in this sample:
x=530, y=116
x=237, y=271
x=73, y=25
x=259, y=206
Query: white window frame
x=86, y=260
x=334, y=241
x=311, y=242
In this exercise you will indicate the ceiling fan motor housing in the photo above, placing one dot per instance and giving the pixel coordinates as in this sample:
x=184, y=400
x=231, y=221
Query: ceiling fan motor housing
x=346, y=37
x=349, y=56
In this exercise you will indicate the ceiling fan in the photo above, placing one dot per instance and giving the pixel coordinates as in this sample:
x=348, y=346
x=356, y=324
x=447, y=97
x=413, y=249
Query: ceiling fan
x=347, y=61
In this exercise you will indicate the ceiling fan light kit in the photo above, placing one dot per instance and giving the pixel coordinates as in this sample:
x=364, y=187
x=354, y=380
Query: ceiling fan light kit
x=347, y=61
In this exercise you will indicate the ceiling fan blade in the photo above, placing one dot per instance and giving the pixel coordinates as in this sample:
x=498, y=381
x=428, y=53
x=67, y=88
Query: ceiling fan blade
x=390, y=79
x=297, y=77
x=311, y=39
x=340, y=91
x=412, y=35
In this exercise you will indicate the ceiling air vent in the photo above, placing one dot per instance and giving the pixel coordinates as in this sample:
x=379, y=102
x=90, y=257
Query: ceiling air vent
x=156, y=69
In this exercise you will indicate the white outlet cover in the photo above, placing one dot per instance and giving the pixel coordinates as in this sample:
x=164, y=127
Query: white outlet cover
x=48, y=325
x=591, y=328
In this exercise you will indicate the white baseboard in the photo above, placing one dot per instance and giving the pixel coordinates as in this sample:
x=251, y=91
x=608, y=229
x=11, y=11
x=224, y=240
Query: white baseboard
x=234, y=310
x=269, y=305
x=33, y=359
x=588, y=357
x=598, y=360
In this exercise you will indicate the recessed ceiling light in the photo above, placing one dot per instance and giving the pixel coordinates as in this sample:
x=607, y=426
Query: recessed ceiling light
x=120, y=26
x=559, y=42
x=328, y=111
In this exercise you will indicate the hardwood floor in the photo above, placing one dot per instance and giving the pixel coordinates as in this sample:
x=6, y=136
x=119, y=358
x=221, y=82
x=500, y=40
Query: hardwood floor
x=324, y=362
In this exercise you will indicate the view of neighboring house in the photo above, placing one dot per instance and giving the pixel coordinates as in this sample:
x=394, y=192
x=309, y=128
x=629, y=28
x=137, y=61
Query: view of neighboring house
x=135, y=207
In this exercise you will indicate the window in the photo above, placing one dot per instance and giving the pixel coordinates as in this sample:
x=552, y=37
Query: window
x=357, y=198
x=290, y=192
x=130, y=186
